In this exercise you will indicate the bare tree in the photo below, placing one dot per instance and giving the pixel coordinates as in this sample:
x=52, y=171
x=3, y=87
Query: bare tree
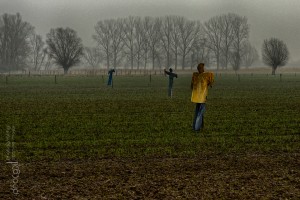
x=240, y=33
x=175, y=40
x=274, y=53
x=48, y=60
x=214, y=34
x=146, y=24
x=117, y=35
x=14, y=41
x=140, y=41
x=110, y=38
x=187, y=34
x=92, y=56
x=37, y=51
x=154, y=35
x=103, y=38
x=65, y=47
x=200, y=51
x=129, y=39
x=228, y=37
x=166, y=37
x=250, y=55
x=133, y=40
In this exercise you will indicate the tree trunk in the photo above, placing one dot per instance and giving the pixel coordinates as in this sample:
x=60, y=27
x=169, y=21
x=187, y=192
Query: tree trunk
x=107, y=62
x=176, y=60
x=183, y=62
x=138, y=60
x=115, y=62
x=146, y=61
x=273, y=70
x=131, y=59
x=153, y=59
x=226, y=61
x=66, y=70
x=168, y=59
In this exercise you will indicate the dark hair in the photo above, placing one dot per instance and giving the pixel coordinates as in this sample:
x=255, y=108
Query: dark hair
x=200, y=64
x=170, y=69
x=200, y=67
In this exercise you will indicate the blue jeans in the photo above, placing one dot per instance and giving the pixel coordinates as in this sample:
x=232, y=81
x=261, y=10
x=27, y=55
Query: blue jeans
x=109, y=80
x=170, y=91
x=199, y=115
x=170, y=87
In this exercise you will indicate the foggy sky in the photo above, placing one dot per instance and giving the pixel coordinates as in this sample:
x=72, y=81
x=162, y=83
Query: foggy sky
x=267, y=18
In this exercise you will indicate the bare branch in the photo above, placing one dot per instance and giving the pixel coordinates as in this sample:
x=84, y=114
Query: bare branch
x=65, y=47
x=274, y=53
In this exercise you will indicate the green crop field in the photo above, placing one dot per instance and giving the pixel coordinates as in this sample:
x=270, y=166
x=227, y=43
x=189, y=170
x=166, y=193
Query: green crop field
x=79, y=119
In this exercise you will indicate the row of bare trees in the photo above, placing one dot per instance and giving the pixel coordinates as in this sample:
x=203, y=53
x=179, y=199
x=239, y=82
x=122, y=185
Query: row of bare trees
x=20, y=46
x=136, y=42
x=175, y=41
x=14, y=41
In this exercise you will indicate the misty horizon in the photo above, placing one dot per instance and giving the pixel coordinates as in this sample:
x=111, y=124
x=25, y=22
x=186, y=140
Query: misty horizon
x=264, y=22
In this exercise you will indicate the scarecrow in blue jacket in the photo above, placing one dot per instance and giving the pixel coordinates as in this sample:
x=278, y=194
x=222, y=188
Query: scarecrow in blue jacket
x=171, y=77
x=110, y=76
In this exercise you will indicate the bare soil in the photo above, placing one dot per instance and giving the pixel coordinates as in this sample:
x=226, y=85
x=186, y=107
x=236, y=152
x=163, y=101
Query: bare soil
x=275, y=176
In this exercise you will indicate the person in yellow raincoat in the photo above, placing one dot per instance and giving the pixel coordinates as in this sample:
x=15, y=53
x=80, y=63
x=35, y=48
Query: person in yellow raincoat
x=200, y=82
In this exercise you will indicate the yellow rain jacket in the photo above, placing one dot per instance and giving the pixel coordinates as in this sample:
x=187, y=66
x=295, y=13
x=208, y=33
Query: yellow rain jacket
x=200, y=83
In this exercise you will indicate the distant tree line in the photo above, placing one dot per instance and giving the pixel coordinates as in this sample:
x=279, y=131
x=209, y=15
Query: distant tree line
x=174, y=41
x=20, y=46
x=132, y=43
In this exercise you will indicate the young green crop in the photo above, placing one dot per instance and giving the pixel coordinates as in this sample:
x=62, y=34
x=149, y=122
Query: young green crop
x=80, y=117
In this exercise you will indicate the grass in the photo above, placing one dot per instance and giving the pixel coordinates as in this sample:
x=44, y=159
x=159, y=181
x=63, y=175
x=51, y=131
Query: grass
x=82, y=118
